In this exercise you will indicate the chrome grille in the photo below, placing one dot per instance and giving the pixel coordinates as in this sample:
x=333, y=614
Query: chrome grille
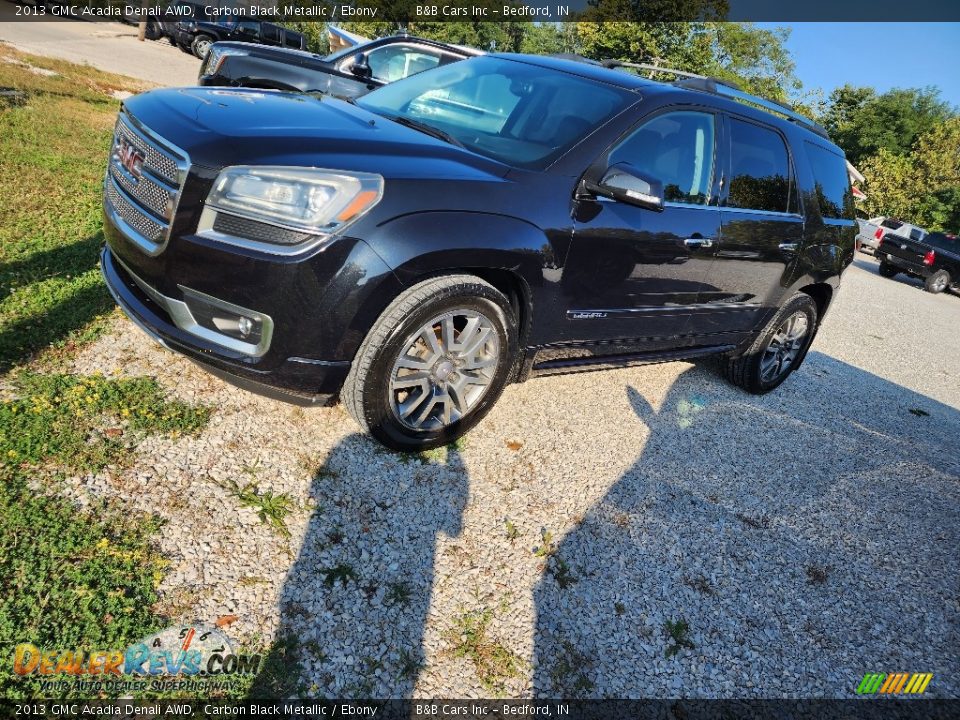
x=147, y=228
x=151, y=195
x=142, y=196
x=155, y=159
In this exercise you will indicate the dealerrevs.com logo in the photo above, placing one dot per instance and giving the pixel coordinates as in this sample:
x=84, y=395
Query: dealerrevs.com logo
x=182, y=657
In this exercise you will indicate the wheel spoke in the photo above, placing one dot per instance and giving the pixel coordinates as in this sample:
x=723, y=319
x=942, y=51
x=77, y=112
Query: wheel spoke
x=418, y=379
x=408, y=362
x=449, y=333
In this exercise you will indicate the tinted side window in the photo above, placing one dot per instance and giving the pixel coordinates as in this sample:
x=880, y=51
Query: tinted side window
x=940, y=241
x=891, y=224
x=759, y=169
x=394, y=62
x=831, y=182
x=270, y=32
x=677, y=149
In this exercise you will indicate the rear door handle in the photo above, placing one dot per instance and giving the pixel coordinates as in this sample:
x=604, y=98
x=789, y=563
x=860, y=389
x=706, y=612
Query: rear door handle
x=698, y=242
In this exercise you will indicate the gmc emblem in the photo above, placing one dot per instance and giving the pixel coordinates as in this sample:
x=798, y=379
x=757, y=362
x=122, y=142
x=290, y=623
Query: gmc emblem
x=129, y=157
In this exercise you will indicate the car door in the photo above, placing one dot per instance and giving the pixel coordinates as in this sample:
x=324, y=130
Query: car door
x=762, y=230
x=635, y=273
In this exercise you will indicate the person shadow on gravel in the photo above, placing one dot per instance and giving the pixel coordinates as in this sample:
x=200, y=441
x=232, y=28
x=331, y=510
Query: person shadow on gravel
x=749, y=550
x=354, y=603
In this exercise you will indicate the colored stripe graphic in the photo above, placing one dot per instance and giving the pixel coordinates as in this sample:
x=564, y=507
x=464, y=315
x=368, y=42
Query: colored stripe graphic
x=894, y=683
x=870, y=683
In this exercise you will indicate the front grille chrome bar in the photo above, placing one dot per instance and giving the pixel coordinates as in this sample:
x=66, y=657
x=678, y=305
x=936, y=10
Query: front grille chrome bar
x=141, y=196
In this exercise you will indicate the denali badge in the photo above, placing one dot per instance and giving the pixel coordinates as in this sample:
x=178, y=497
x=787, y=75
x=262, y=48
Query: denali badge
x=587, y=315
x=129, y=157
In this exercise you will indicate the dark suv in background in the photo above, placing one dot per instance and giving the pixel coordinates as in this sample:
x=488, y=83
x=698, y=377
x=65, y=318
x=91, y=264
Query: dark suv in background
x=492, y=220
x=196, y=36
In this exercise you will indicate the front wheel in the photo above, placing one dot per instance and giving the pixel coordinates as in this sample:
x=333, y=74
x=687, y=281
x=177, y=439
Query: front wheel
x=779, y=350
x=938, y=282
x=201, y=46
x=433, y=364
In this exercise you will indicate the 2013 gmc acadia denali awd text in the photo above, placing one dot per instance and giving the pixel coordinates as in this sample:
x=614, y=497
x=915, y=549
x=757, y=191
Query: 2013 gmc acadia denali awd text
x=488, y=221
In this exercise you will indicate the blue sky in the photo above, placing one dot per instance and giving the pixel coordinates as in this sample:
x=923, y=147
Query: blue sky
x=881, y=55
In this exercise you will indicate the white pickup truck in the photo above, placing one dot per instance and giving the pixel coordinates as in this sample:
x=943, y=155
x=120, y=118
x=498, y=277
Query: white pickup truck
x=873, y=230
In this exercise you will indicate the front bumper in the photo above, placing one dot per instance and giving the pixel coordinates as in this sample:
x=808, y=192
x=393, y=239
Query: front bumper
x=301, y=381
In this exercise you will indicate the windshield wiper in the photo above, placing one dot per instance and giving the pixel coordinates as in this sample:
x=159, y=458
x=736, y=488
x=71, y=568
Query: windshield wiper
x=426, y=129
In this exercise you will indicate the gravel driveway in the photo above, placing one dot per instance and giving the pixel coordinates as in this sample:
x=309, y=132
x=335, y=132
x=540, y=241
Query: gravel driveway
x=805, y=537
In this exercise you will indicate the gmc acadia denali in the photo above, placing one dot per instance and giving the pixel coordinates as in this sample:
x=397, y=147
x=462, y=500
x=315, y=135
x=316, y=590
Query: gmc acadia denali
x=481, y=223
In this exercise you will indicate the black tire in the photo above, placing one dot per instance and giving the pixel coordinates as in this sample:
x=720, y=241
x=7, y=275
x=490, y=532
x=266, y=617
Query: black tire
x=938, y=282
x=200, y=46
x=887, y=270
x=745, y=370
x=367, y=394
x=154, y=31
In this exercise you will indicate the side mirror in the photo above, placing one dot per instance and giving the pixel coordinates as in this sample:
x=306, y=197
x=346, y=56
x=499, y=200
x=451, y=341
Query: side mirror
x=360, y=67
x=624, y=183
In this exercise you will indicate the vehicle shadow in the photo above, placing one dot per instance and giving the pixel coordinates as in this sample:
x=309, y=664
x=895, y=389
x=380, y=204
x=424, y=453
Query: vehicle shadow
x=722, y=524
x=71, y=312
x=73, y=308
x=354, y=603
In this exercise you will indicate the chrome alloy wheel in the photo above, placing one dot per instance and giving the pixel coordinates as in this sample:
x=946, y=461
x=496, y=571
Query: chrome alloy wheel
x=444, y=370
x=784, y=347
x=940, y=285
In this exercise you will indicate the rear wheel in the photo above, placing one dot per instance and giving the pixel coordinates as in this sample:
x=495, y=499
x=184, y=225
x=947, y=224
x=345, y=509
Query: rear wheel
x=938, y=282
x=433, y=364
x=886, y=269
x=779, y=350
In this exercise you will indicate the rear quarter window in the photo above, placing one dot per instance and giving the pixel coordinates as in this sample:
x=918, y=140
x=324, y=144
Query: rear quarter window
x=831, y=183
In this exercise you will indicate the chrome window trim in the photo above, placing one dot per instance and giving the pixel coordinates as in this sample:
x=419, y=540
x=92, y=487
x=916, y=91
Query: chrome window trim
x=775, y=213
x=180, y=313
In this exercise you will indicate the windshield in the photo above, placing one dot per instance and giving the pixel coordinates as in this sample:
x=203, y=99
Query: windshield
x=523, y=115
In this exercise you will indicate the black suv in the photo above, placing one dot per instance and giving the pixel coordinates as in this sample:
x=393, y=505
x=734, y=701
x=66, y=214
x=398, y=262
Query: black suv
x=485, y=222
x=197, y=36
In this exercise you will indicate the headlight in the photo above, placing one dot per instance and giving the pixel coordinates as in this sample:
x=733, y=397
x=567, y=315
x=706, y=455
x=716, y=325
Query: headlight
x=211, y=64
x=305, y=199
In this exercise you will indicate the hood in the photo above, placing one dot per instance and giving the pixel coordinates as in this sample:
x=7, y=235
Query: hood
x=218, y=127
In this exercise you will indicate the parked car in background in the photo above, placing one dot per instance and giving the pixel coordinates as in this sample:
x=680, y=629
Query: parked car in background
x=349, y=73
x=197, y=36
x=872, y=231
x=935, y=259
x=492, y=220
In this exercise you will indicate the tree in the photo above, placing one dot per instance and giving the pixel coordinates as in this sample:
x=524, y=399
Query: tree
x=863, y=122
x=923, y=186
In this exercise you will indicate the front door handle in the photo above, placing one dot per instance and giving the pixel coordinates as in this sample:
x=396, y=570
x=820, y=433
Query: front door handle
x=698, y=242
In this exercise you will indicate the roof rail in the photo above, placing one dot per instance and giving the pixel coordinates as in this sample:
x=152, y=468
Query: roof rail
x=725, y=88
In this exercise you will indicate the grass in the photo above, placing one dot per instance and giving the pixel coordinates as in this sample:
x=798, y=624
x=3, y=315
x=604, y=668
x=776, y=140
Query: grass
x=569, y=672
x=678, y=631
x=54, y=149
x=86, y=422
x=272, y=508
x=398, y=593
x=493, y=662
x=76, y=578
x=342, y=573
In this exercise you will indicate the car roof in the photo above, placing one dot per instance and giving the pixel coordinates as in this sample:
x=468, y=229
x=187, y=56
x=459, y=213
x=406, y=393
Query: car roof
x=595, y=71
